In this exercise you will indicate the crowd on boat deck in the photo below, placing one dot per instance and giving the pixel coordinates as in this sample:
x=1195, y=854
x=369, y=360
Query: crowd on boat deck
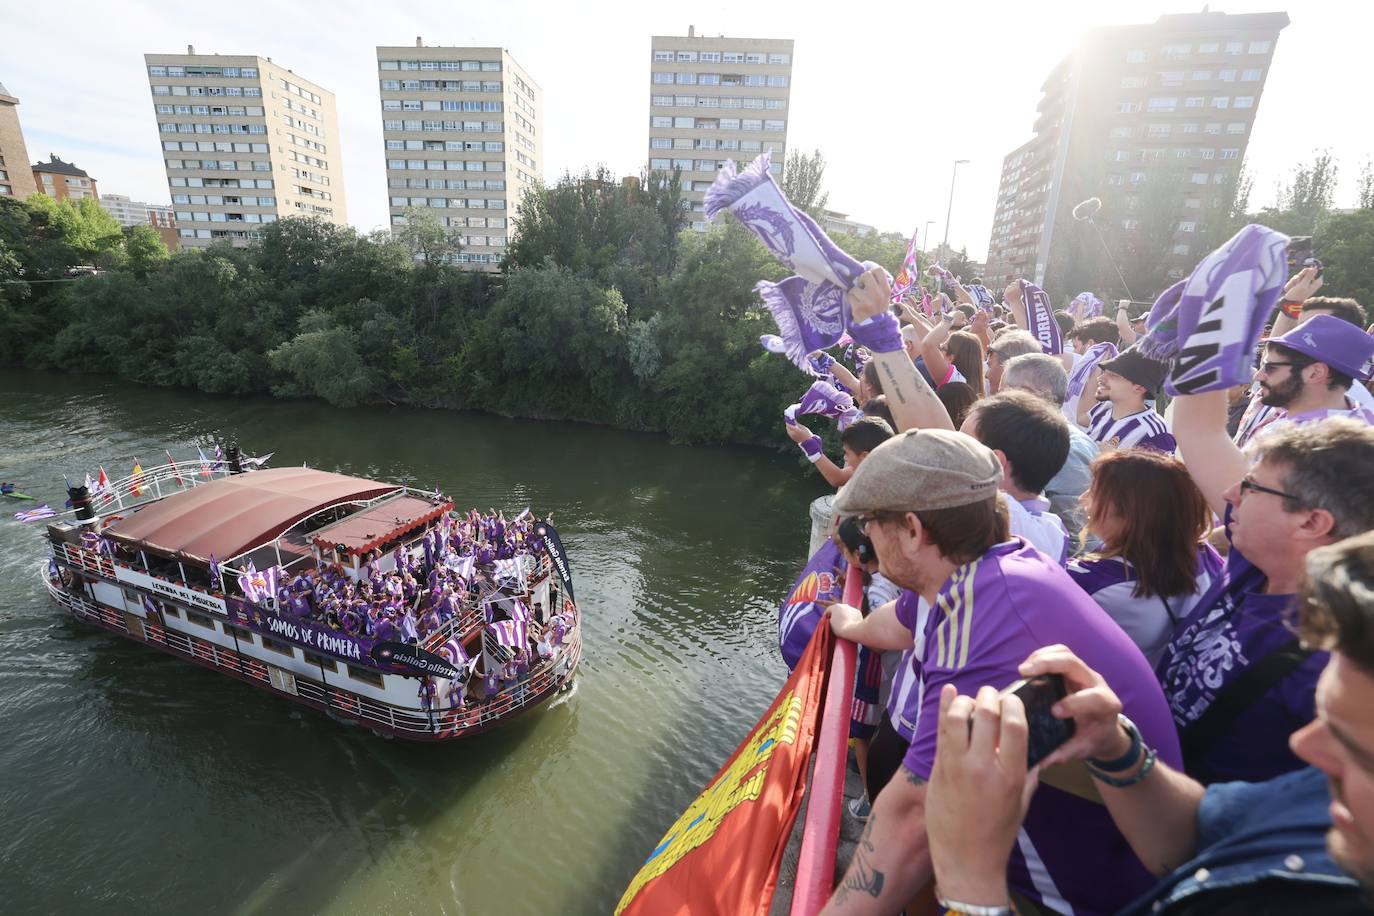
x=477, y=554
x=1171, y=512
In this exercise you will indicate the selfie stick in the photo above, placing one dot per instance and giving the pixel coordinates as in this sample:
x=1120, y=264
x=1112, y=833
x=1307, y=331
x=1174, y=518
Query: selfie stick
x=1083, y=212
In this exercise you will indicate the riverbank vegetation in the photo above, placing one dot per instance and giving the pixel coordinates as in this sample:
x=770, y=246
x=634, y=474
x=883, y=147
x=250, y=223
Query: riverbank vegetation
x=605, y=311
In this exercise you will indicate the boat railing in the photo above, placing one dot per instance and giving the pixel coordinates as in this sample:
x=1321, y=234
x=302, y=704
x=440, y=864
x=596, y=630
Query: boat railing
x=437, y=721
x=464, y=624
x=93, y=561
x=119, y=494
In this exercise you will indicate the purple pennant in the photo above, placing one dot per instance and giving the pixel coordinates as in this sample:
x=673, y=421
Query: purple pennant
x=1040, y=315
x=1209, y=323
x=825, y=399
x=1096, y=354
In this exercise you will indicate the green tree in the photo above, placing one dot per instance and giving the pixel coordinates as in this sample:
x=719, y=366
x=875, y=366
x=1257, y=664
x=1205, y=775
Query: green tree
x=145, y=250
x=428, y=241
x=803, y=181
x=323, y=360
x=83, y=225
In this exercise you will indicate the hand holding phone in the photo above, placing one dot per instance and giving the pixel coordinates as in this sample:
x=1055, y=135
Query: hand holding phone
x=1046, y=733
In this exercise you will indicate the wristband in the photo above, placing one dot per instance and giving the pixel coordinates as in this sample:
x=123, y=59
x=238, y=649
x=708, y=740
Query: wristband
x=812, y=449
x=1291, y=309
x=1145, y=768
x=1126, y=760
x=880, y=334
x=973, y=909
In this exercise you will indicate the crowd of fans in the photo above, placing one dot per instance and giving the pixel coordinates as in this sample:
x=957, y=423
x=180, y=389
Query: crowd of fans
x=1199, y=570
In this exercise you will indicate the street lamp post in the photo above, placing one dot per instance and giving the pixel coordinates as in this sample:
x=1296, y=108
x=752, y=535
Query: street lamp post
x=949, y=212
x=926, y=235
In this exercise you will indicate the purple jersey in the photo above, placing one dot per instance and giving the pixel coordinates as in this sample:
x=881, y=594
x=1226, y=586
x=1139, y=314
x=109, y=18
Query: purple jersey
x=1145, y=429
x=904, y=701
x=1233, y=626
x=1150, y=622
x=989, y=616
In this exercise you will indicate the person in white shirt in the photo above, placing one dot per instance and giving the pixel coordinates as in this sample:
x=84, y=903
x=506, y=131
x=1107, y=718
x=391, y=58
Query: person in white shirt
x=1031, y=439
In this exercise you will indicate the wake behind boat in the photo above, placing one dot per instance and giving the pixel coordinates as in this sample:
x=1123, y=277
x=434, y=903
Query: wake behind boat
x=366, y=600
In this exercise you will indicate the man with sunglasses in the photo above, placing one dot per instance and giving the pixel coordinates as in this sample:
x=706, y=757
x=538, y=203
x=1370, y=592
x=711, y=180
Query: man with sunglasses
x=1309, y=371
x=1237, y=679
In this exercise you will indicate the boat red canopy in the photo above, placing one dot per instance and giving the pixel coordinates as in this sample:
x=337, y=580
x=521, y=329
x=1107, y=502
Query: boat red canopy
x=234, y=514
x=369, y=529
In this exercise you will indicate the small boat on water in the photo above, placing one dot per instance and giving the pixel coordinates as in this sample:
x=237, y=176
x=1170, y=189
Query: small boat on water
x=172, y=556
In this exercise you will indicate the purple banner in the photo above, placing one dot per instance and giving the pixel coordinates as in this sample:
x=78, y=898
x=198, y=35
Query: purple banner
x=304, y=633
x=818, y=585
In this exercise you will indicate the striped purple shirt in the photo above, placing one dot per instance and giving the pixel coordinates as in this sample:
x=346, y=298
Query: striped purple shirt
x=1145, y=429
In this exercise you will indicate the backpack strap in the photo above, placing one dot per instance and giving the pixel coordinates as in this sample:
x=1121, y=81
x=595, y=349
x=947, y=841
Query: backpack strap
x=1198, y=737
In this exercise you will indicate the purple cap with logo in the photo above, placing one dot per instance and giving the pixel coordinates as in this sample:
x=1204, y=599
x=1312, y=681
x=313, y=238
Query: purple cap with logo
x=1328, y=339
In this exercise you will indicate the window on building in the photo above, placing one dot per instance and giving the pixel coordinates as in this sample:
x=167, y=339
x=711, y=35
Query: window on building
x=1163, y=103
x=1180, y=249
x=1208, y=47
x=1198, y=178
x=663, y=55
x=1235, y=47
x=1244, y=101
x=1202, y=75
x=777, y=82
x=1260, y=47
x=1132, y=82
x=660, y=77
x=685, y=101
x=1230, y=154
x=686, y=123
x=1194, y=101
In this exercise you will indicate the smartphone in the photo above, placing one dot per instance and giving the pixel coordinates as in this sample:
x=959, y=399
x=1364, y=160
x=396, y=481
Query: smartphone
x=1300, y=255
x=1046, y=733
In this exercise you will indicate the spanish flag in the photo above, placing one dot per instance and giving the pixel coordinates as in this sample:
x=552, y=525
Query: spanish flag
x=722, y=855
x=136, y=484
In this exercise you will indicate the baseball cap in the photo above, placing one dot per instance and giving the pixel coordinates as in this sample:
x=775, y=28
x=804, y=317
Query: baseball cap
x=1139, y=369
x=921, y=469
x=1328, y=339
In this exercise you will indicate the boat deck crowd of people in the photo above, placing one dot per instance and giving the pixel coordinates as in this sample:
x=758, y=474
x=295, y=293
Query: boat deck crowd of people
x=1173, y=513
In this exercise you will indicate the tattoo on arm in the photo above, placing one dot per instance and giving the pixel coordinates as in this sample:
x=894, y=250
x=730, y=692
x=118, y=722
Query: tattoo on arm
x=892, y=389
x=861, y=876
x=912, y=777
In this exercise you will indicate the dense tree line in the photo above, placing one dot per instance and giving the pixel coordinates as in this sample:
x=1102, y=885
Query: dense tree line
x=606, y=311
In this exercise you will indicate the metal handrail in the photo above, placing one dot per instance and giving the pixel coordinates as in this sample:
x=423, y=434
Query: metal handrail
x=821, y=830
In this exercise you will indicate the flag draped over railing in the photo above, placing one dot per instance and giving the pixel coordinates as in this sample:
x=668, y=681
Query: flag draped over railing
x=721, y=856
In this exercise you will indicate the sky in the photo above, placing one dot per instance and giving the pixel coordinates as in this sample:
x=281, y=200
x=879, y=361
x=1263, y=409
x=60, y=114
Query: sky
x=891, y=93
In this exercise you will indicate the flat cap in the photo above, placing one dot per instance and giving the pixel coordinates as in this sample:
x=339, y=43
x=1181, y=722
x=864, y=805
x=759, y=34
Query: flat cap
x=921, y=469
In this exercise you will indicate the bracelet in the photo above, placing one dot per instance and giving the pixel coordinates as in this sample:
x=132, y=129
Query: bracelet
x=1145, y=768
x=1291, y=309
x=1126, y=760
x=973, y=909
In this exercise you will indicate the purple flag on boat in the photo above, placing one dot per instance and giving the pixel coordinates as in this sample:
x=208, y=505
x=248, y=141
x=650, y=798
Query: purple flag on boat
x=1209, y=323
x=1040, y=314
x=465, y=567
x=509, y=633
x=1096, y=354
x=455, y=654
x=818, y=585
x=36, y=514
x=825, y=399
x=512, y=570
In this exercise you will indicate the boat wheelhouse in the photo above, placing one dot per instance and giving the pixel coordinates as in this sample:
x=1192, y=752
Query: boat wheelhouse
x=172, y=558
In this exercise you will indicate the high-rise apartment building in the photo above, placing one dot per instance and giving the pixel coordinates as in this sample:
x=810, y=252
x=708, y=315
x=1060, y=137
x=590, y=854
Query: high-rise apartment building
x=246, y=142
x=712, y=99
x=463, y=134
x=126, y=211
x=16, y=175
x=1153, y=120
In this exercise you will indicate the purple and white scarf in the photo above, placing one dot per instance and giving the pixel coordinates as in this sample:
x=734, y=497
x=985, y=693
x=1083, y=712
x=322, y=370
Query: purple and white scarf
x=1085, y=305
x=1040, y=316
x=1209, y=323
x=982, y=297
x=825, y=399
x=808, y=307
x=1096, y=354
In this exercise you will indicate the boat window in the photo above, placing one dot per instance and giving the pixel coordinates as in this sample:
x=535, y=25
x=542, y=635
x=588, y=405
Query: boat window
x=171, y=611
x=367, y=677
x=244, y=637
x=200, y=620
x=279, y=647
x=327, y=664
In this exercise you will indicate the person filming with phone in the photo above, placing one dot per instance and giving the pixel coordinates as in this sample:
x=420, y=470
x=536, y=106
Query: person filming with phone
x=1298, y=843
x=928, y=501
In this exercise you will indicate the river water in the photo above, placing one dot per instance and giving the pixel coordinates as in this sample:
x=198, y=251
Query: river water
x=131, y=781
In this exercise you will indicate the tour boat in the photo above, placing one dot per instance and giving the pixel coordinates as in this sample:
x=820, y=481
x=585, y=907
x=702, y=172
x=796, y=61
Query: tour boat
x=168, y=557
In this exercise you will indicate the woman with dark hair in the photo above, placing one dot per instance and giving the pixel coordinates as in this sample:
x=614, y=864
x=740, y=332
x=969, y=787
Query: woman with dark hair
x=958, y=398
x=1154, y=561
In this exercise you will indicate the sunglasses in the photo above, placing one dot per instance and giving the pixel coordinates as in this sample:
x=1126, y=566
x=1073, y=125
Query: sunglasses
x=1269, y=365
x=1248, y=485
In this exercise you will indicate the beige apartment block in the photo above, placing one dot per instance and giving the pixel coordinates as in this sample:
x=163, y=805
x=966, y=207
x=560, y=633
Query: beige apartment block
x=462, y=131
x=246, y=142
x=16, y=174
x=712, y=99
